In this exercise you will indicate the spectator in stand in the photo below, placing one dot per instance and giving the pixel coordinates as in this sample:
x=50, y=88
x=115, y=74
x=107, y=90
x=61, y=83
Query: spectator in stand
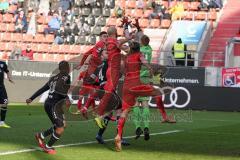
x=28, y=53
x=53, y=25
x=65, y=4
x=158, y=10
x=4, y=5
x=54, y=5
x=179, y=52
x=44, y=7
x=177, y=10
x=69, y=34
x=21, y=22
x=59, y=36
x=16, y=52
x=167, y=15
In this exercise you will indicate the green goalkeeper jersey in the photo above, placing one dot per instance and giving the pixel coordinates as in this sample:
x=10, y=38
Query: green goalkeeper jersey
x=147, y=52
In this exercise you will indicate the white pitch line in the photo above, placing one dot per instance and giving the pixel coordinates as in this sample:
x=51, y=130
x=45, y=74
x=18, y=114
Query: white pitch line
x=80, y=143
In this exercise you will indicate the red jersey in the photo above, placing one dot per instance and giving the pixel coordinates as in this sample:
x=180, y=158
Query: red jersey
x=28, y=54
x=112, y=49
x=82, y=75
x=133, y=66
x=93, y=51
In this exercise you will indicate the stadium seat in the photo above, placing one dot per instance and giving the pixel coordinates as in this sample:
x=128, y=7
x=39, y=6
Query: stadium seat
x=101, y=21
x=129, y=12
x=8, y=18
x=59, y=57
x=1, y=17
x=131, y=4
x=44, y=48
x=138, y=13
x=96, y=30
x=121, y=3
x=147, y=13
x=7, y=37
x=91, y=40
x=201, y=15
x=106, y=12
x=165, y=23
x=39, y=38
x=75, y=49
x=86, y=11
x=81, y=40
x=111, y=22
x=55, y=48
x=42, y=20
x=155, y=23
x=143, y=23
x=3, y=27
x=91, y=20
x=50, y=57
x=34, y=47
x=40, y=28
x=189, y=15
x=49, y=38
x=65, y=48
x=194, y=6
x=17, y=37
x=96, y=12
x=187, y=5
x=27, y=38
x=11, y=27
x=3, y=46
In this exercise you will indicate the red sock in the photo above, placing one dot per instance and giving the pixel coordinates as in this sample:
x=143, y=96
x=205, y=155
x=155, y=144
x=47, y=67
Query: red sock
x=160, y=106
x=120, y=126
x=79, y=104
x=90, y=101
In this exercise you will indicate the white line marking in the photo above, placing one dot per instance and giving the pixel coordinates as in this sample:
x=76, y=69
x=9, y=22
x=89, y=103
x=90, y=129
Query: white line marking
x=80, y=143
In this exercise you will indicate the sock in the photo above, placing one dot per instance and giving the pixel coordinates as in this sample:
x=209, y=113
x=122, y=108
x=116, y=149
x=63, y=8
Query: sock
x=101, y=130
x=136, y=116
x=146, y=116
x=79, y=104
x=47, y=132
x=160, y=106
x=3, y=113
x=54, y=138
x=90, y=101
x=120, y=126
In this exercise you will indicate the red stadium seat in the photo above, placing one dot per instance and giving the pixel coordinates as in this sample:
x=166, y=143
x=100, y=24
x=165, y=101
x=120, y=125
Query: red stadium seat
x=49, y=38
x=143, y=23
x=138, y=13
x=155, y=23
x=64, y=49
x=50, y=57
x=189, y=15
x=7, y=37
x=8, y=18
x=59, y=57
x=129, y=12
x=131, y=4
x=55, y=48
x=201, y=15
x=111, y=22
x=39, y=38
x=17, y=37
x=44, y=48
x=3, y=46
x=147, y=13
x=11, y=27
x=34, y=47
x=165, y=23
x=3, y=27
x=121, y=3
x=1, y=17
x=27, y=38
x=194, y=6
x=75, y=49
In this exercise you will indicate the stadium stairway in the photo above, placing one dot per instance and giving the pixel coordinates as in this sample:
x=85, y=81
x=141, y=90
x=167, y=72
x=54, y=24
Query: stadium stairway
x=228, y=26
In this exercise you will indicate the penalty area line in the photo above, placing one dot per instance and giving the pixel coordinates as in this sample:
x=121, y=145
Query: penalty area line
x=80, y=143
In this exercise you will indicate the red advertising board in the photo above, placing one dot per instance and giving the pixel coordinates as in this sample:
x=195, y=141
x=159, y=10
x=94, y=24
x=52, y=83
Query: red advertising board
x=231, y=77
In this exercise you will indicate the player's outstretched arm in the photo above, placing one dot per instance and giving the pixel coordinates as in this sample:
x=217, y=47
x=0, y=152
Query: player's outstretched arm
x=38, y=93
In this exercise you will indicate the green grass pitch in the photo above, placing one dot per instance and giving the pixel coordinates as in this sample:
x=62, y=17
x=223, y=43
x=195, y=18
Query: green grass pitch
x=205, y=136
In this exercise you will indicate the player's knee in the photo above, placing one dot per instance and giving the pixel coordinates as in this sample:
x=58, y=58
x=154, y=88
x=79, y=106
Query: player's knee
x=59, y=130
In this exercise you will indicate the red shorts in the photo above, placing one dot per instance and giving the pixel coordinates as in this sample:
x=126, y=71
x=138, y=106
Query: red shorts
x=134, y=88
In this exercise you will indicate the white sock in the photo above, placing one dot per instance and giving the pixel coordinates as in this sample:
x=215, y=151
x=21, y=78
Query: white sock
x=1, y=122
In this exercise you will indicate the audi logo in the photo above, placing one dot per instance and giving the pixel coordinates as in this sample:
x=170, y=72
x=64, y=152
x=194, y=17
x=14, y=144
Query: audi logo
x=173, y=97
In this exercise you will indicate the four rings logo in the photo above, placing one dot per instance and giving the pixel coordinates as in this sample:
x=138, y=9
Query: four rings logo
x=173, y=97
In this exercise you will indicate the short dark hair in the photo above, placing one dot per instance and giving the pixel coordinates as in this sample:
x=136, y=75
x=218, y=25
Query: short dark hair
x=103, y=32
x=134, y=46
x=145, y=40
x=63, y=66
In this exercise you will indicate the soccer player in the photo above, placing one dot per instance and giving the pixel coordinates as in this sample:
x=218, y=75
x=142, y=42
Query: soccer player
x=58, y=87
x=3, y=93
x=113, y=47
x=94, y=62
x=133, y=87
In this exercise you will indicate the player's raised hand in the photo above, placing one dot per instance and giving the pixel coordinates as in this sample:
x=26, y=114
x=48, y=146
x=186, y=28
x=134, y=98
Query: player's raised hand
x=28, y=101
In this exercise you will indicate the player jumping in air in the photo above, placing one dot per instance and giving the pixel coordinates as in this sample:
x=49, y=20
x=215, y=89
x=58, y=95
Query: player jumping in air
x=133, y=87
x=113, y=47
x=94, y=62
x=3, y=94
x=58, y=87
